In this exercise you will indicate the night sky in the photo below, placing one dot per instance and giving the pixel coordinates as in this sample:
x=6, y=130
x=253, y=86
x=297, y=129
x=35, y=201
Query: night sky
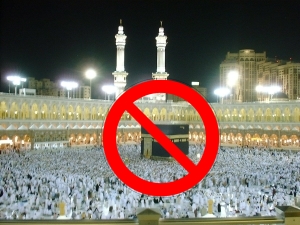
x=60, y=39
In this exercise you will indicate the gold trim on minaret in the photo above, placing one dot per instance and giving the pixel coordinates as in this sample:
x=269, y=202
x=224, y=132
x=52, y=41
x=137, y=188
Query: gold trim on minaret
x=120, y=22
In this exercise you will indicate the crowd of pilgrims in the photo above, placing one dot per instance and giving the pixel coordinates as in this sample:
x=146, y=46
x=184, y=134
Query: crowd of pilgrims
x=244, y=181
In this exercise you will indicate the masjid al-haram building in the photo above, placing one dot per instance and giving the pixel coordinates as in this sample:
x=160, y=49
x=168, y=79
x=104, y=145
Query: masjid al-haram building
x=53, y=165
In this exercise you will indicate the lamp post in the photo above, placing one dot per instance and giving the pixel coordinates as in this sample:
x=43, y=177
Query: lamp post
x=90, y=74
x=221, y=93
x=69, y=85
x=232, y=78
x=16, y=80
x=109, y=89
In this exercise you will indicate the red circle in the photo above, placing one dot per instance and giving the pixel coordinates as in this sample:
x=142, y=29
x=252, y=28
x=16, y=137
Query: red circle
x=125, y=101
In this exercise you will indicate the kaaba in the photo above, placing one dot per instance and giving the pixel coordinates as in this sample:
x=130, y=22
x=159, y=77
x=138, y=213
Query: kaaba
x=177, y=133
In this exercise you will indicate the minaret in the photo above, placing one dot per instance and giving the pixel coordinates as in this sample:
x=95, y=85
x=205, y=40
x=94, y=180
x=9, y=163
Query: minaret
x=161, y=42
x=120, y=73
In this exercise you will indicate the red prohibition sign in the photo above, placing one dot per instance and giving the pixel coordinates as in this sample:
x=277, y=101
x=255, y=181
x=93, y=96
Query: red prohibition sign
x=126, y=103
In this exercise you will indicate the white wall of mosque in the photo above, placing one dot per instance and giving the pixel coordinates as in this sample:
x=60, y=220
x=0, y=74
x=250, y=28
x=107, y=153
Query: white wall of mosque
x=59, y=120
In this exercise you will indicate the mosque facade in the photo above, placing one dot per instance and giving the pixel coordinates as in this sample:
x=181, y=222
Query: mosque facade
x=39, y=122
x=34, y=122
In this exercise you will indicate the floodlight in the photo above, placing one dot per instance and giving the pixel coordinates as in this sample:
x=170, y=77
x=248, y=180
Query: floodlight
x=232, y=78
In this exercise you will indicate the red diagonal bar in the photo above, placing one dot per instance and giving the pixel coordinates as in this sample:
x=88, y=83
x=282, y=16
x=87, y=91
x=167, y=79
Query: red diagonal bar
x=165, y=142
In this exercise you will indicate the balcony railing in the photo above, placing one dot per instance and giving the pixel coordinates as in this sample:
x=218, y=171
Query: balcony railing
x=143, y=100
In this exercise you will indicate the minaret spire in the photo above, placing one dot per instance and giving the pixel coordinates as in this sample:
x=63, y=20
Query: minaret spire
x=120, y=73
x=161, y=42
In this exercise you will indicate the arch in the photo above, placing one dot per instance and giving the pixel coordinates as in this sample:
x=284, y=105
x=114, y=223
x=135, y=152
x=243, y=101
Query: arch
x=171, y=115
x=101, y=115
x=202, y=137
x=286, y=115
x=284, y=140
x=163, y=114
x=119, y=137
x=255, y=140
x=72, y=139
x=70, y=112
x=34, y=111
x=294, y=140
x=273, y=140
x=147, y=112
x=248, y=139
x=231, y=138
x=87, y=138
x=86, y=113
x=239, y=139
x=3, y=110
x=268, y=115
x=176, y=114
x=193, y=114
x=44, y=111
x=264, y=140
x=234, y=115
x=189, y=115
x=223, y=137
x=53, y=112
x=193, y=136
x=93, y=113
x=277, y=115
x=62, y=113
x=242, y=115
x=25, y=113
x=155, y=114
x=296, y=115
x=186, y=115
x=259, y=115
x=250, y=117
x=14, y=111
x=78, y=112
x=227, y=115
x=220, y=115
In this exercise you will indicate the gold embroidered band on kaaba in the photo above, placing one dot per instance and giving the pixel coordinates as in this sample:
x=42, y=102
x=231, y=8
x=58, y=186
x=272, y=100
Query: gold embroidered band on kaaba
x=173, y=138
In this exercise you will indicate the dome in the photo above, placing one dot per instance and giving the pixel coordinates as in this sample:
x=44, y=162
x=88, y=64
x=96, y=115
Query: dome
x=280, y=96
